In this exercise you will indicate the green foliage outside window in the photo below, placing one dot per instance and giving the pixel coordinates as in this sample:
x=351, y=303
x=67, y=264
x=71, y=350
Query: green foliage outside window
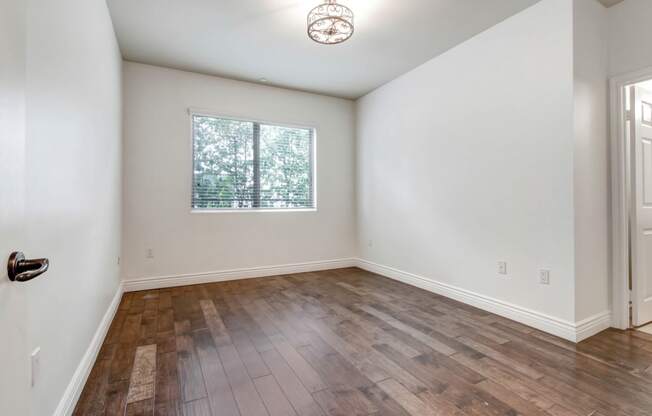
x=243, y=164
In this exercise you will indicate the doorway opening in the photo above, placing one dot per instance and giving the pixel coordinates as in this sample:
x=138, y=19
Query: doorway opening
x=631, y=171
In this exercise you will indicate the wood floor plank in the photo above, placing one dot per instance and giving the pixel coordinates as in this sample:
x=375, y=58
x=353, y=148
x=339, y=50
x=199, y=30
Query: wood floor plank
x=122, y=362
x=430, y=375
x=388, y=366
x=167, y=382
x=335, y=370
x=308, y=376
x=244, y=391
x=141, y=408
x=220, y=396
x=215, y=323
x=93, y=399
x=116, y=398
x=439, y=405
x=514, y=382
x=351, y=353
x=198, y=407
x=344, y=383
x=502, y=358
x=291, y=327
x=350, y=343
x=330, y=404
x=143, y=375
x=275, y=401
x=387, y=405
x=354, y=402
x=250, y=356
x=410, y=402
x=426, y=339
x=191, y=380
x=373, y=331
x=511, y=399
x=294, y=390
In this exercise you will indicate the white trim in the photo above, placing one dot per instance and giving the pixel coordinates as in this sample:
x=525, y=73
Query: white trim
x=619, y=202
x=571, y=331
x=73, y=391
x=158, y=282
x=249, y=210
x=592, y=325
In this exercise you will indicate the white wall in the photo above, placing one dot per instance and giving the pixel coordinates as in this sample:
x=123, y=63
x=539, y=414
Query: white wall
x=14, y=370
x=591, y=165
x=73, y=182
x=158, y=168
x=468, y=160
x=630, y=32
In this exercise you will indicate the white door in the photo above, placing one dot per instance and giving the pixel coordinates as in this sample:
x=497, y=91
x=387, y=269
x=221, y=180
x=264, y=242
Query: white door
x=641, y=210
x=14, y=354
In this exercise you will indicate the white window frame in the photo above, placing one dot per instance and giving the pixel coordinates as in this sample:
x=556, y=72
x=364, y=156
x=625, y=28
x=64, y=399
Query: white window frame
x=207, y=113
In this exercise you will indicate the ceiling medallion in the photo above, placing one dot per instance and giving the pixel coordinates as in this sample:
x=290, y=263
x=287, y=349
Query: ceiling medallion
x=330, y=23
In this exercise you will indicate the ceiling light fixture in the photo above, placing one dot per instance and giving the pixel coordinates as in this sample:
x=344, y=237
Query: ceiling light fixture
x=330, y=23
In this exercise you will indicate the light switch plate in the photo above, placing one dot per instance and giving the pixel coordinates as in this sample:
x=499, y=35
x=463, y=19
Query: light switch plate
x=35, y=365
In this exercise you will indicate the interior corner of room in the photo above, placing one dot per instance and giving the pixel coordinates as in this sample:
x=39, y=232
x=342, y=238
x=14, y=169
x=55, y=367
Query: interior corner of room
x=429, y=195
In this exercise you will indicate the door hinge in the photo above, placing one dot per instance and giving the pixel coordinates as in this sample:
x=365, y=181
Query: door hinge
x=628, y=115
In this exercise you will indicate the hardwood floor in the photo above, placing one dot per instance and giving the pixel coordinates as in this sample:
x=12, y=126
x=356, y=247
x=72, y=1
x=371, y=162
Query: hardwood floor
x=348, y=342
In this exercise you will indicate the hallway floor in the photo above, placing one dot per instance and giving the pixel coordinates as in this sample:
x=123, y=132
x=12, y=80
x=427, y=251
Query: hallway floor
x=647, y=329
x=348, y=342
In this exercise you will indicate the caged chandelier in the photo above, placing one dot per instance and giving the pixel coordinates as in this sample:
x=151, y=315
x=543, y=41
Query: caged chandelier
x=330, y=23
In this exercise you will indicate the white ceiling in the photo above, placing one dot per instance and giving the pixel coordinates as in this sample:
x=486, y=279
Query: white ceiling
x=254, y=39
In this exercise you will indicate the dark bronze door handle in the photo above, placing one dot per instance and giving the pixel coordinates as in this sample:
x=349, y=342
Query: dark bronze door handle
x=21, y=270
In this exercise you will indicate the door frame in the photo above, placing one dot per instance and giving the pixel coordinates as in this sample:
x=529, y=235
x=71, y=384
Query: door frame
x=620, y=203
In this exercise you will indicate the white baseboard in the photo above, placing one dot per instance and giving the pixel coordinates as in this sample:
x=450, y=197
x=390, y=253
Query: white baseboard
x=592, y=325
x=158, y=282
x=73, y=391
x=571, y=331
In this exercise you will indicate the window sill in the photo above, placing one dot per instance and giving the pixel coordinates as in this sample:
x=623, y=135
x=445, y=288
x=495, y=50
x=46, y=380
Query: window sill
x=249, y=211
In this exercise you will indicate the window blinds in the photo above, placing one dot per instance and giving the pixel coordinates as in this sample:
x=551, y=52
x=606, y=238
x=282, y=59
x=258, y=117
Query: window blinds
x=241, y=164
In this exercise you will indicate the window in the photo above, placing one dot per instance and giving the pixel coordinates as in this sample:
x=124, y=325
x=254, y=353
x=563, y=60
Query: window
x=239, y=164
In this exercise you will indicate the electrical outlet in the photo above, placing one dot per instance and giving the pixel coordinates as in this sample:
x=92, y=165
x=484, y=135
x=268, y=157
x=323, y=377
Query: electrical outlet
x=370, y=243
x=502, y=267
x=35, y=365
x=544, y=277
x=150, y=253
